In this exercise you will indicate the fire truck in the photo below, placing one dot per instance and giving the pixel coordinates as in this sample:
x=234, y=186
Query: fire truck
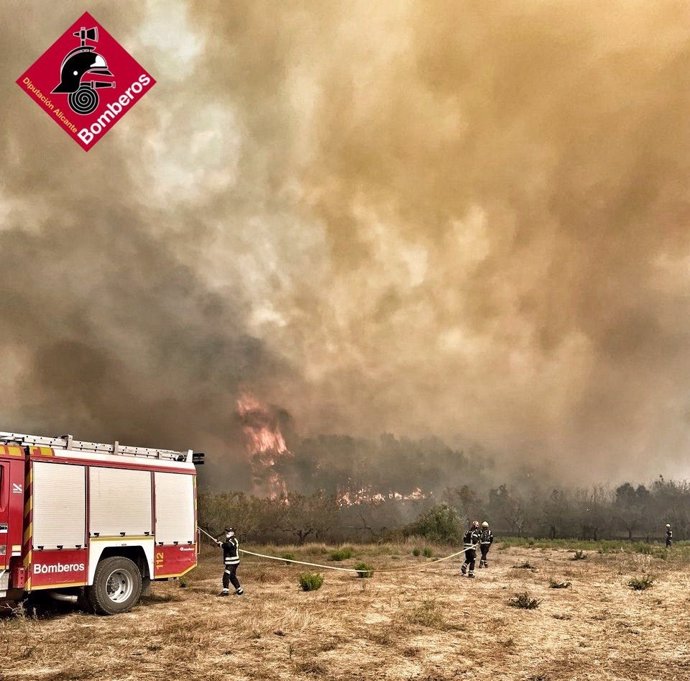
x=93, y=522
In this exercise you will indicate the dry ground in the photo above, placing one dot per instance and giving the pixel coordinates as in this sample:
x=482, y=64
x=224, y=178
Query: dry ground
x=429, y=625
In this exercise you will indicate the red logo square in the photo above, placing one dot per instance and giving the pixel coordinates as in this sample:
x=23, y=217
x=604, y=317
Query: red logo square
x=85, y=81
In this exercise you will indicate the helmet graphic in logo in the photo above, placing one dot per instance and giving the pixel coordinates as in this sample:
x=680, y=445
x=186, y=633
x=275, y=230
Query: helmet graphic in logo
x=80, y=74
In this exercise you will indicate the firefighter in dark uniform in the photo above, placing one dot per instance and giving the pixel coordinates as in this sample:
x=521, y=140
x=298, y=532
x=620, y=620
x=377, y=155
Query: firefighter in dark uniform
x=470, y=541
x=231, y=560
x=669, y=537
x=486, y=538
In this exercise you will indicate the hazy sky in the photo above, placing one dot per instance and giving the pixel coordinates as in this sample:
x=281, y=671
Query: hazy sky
x=451, y=218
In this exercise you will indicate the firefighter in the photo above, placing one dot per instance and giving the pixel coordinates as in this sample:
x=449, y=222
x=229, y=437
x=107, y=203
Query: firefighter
x=485, y=541
x=470, y=541
x=669, y=536
x=231, y=560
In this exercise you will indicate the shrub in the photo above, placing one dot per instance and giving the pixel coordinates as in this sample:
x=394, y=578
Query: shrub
x=641, y=583
x=579, y=555
x=524, y=600
x=310, y=581
x=416, y=551
x=440, y=524
x=288, y=556
x=341, y=554
x=364, y=570
x=558, y=585
x=427, y=552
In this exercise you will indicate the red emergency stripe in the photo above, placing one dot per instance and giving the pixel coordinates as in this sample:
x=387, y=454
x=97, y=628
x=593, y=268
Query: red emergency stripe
x=27, y=539
x=11, y=450
x=42, y=451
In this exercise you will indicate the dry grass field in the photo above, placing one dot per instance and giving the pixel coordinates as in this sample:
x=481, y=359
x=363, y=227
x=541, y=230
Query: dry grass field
x=427, y=625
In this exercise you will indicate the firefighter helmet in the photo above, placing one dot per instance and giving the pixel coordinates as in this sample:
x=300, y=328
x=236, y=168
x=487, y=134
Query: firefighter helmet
x=485, y=524
x=79, y=61
x=667, y=525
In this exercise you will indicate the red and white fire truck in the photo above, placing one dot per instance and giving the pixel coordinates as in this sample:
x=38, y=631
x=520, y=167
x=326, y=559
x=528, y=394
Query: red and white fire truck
x=93, y=521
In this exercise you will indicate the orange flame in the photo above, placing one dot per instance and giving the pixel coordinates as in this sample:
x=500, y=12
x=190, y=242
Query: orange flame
x=367, y=495
x=265, y=445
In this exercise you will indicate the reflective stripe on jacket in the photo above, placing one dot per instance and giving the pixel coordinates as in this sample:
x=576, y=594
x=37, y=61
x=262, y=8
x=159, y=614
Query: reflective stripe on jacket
x=231, y=551
x=471, y=538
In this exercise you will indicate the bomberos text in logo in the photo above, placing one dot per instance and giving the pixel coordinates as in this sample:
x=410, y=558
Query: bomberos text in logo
x=85, y=81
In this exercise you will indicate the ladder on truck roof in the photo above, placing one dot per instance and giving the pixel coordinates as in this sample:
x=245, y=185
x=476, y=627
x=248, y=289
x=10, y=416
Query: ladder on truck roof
x=68, y=442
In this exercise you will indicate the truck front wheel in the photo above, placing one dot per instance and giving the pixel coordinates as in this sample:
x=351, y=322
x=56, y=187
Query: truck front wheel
x=116, y=586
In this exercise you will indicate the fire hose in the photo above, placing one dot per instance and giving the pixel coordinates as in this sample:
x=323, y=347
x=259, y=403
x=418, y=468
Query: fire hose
x=333, y=567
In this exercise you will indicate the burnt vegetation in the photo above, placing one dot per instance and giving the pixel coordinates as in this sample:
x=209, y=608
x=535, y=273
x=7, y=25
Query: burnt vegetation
x=641, y=583
x=524, y=601
x=389, y=506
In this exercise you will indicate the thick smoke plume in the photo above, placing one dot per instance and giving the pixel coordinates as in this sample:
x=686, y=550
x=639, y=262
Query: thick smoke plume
x=451, y=219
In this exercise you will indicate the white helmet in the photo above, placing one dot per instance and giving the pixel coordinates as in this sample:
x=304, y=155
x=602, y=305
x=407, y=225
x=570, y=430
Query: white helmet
x=485, y=524
x=667, y=525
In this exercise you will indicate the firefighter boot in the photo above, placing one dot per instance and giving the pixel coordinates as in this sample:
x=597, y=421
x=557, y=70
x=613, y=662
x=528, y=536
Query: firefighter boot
x=239, y=592
x=471, y=575
x=224, y=592
x=463, y=568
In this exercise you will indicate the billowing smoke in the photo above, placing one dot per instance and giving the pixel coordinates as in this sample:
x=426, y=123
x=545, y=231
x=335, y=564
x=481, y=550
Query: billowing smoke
x=444, y=219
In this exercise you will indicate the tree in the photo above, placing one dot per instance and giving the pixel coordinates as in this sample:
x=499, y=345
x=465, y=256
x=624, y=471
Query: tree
x=594, y=512
x=307, y=516
x=440, y=523
x=217, y=511
x=509, y=508
x=557, y=513
x=670, y=503
x=465, y=500
x=630, y=506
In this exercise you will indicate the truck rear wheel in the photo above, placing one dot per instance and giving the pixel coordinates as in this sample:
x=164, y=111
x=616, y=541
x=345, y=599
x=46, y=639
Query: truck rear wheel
x=116, y=586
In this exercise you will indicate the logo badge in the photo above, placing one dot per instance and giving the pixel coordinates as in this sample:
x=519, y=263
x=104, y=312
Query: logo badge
x=86, y=82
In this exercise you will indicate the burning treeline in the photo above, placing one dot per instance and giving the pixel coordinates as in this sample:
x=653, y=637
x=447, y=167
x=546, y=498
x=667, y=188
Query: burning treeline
x=626, y=512
x=337, y=488
x=450, y=221
x=355, y=470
